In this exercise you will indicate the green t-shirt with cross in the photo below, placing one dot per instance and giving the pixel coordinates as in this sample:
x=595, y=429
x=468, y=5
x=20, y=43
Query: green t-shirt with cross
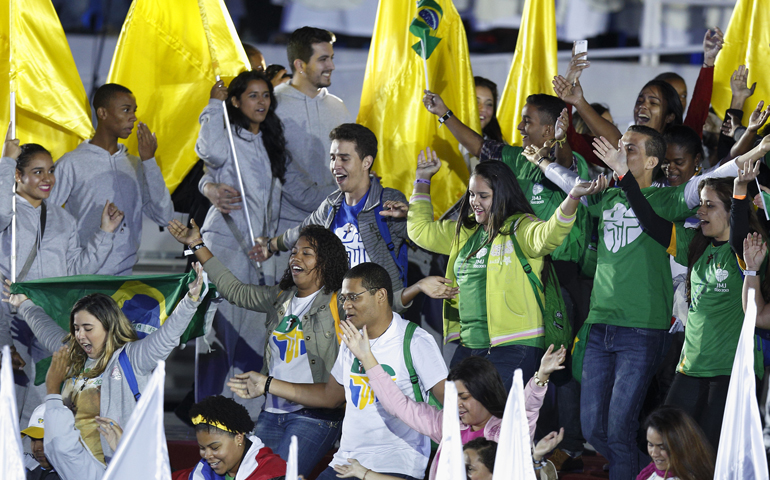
x=716, y=316
x=632, y=285
x=545, y=198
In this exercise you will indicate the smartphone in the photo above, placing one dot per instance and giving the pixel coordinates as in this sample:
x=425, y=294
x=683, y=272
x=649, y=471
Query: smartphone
x=581, y=46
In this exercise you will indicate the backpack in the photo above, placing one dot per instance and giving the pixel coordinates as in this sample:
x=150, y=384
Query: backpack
x=558, y=330
x=401, y=257
x=413, y=377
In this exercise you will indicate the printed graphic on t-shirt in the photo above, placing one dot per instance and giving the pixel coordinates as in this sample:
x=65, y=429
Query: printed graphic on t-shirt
x=361, y=392
x=621, y=227
x=289, y=338
x=721, y=275
x=351, y=239
x=537, y=199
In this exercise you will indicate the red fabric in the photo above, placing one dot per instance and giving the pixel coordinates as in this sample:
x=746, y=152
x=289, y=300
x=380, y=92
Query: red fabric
x=269, y=464
x=698, y=110
x=582, y=143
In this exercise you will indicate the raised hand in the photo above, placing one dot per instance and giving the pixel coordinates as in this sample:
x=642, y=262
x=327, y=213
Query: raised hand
x=248, y=385
x=148, y=144
x=16, y=299
x=57, y=372
x=572, y=94
x=552, y=360
x=562, y=123
x=357, y=342
x=748, y=173
x=739, y=85
x=576, y=65
x=17, y=363
x=427, y=164
x=434, y=103
x=112, y=217
x=754, y=251
x=194, y=288
x=758, y=117
x=219, y=91
x=182, y=234
x=11, y=146
x=224, y=197
x=110, y=430
x=394, y=209
x=712, y=44
x=615, y=158
x=547, y=443
x=593, y=187
x=259, y=252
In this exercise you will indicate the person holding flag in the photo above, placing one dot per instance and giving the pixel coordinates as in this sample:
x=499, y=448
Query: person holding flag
x=48, y=244
x=105, y=365
x=259, y=159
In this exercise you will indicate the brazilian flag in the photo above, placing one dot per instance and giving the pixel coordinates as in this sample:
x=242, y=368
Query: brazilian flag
x=146, y=300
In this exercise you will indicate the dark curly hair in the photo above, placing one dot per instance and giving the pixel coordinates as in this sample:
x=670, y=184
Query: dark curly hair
x=331, y=258
x=219, y=409
x=272, y=128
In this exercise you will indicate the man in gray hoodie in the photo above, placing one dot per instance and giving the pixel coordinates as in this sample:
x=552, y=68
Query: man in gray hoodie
x=308, y=112
x=101, y=169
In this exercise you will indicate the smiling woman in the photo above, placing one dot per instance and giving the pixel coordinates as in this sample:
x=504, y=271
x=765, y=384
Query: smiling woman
x=227, y=450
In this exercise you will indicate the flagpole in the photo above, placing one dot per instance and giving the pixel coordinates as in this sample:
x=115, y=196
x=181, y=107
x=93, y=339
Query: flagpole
x=13, y=135
x=215, y=65
x=425, y=63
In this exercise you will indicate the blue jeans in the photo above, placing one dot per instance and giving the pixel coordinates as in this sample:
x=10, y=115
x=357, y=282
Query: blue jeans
x=506, y=360
x=618, y=366
x=315, y=437
x=330, y=474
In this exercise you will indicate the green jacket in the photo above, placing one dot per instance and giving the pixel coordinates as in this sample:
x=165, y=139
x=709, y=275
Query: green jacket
x=512, y=310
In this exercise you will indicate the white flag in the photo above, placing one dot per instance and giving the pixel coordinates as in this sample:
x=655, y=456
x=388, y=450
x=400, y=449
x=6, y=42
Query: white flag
x=451, y=463
x=11, y=457
x=741, y=454
x=291, y=465
x=514, y=451
x=142, y=452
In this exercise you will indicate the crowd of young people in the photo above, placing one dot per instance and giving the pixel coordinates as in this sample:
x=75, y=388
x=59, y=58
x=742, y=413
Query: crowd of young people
x=310, y=258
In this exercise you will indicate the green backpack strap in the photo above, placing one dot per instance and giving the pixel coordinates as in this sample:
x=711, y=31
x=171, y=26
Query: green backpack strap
x=537, y=286
x=410, y=328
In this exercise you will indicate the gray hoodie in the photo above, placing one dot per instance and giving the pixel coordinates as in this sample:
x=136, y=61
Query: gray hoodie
x=117, y=402
x=89, y=176
x=307, y=123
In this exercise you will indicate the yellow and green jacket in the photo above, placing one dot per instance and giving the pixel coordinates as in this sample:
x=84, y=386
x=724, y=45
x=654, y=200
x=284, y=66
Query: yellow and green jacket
x=512, y=310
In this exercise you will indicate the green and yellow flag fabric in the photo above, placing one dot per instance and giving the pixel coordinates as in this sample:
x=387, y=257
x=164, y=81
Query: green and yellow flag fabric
x=168, y=55
x=146, y=300
x=747, y=42
x=391, y=100
x=533, y=68
x=52, y=107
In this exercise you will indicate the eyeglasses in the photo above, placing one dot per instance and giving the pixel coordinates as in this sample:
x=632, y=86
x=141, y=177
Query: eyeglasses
x=353, y=297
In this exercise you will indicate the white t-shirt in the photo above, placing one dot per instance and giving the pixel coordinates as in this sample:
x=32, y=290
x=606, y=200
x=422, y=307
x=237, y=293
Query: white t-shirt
x=288, y=354
x=371, y=435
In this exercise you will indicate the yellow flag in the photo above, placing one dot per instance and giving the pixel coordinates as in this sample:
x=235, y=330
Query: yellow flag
x=747, y=42
x=391, y=100
x=51, y=104
x=533, y=67
x=164, y=56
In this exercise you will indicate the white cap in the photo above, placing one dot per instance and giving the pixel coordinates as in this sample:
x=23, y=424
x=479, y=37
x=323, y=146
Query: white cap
x=35, y=427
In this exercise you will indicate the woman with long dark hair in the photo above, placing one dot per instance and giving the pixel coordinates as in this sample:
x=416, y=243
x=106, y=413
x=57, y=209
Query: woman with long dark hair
x=260, y=146
x=713, y=289
x=677, y=446
x=496, y=314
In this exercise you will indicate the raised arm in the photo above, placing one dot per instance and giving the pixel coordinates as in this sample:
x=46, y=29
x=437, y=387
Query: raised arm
x=88, y=259
x=757, y=119
x=754, y=253
x=11, y=151
x=698, y=110
x=469, y=139
x=741, y=203
x=212, y=145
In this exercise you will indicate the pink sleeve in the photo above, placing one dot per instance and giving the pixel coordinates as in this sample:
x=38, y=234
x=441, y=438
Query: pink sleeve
x=533, y=400
x=421, y=417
